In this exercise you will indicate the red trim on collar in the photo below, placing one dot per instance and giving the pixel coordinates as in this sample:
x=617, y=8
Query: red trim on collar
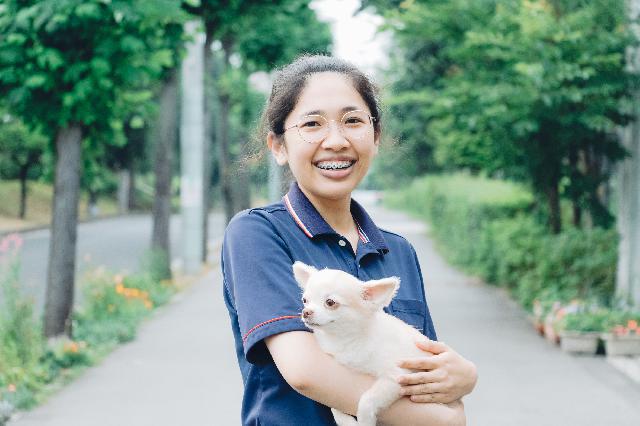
x=361, y=233
x=287, y=203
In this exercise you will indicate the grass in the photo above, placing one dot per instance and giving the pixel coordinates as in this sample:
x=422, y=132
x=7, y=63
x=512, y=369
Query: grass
x=39, y=199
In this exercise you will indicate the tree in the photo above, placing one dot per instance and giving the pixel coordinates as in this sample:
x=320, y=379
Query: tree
x=20, y=154
x=262, y=35
x=532, y=91
x=628, y=188
x=64, y=65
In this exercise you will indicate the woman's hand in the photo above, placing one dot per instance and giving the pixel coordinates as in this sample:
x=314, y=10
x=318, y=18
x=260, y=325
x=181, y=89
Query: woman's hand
x=446, y=376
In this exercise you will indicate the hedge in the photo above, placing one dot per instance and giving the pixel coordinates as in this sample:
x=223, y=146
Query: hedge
x=488, y=228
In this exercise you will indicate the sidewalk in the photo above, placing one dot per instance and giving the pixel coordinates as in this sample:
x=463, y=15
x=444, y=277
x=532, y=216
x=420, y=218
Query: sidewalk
x=182, y=369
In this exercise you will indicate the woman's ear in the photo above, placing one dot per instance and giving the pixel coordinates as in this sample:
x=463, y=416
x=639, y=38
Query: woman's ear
x=277, y=148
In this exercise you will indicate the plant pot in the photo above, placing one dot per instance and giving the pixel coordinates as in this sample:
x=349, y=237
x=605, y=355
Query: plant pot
x=537, y=323
x=550, y=334
x=579, y=342
x=621, y=345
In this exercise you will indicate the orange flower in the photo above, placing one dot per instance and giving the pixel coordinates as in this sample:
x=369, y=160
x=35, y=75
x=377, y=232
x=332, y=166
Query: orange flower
x=11, y=388
x=71, y=347
x=632, y=325
x=120, y=288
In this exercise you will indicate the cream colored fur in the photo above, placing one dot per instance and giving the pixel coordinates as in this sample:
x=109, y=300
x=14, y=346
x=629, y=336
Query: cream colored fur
x=358, y=333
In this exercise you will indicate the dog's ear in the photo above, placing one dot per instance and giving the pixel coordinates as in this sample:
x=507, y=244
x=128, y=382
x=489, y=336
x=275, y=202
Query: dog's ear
x=380, y=292
x=302, y=272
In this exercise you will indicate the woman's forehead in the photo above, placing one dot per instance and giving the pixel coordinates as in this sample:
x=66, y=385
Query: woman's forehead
x=328, y=93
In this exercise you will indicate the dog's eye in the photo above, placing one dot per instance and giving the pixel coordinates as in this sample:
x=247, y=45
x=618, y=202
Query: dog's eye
x=330, y=302
x=304, y=301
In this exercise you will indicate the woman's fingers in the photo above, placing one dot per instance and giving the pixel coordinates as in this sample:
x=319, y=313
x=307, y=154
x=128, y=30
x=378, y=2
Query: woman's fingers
x=422, y=363
x=421, y=377
x=422, y=389
x=432, y=346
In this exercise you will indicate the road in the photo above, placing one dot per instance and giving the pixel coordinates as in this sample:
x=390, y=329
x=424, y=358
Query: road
x=118, y=243
x=182, y=368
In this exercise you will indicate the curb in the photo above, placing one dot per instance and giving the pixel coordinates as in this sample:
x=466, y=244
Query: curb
x=627, y=365
x=6, y=232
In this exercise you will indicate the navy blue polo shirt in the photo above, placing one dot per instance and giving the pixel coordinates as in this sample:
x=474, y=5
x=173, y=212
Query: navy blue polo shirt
x=263, y=298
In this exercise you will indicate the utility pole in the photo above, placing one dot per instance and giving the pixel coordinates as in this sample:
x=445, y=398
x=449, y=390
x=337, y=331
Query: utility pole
x=628, y=188
x=192, y=150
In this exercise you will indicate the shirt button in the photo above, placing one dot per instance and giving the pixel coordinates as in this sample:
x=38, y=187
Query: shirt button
x=341, y=243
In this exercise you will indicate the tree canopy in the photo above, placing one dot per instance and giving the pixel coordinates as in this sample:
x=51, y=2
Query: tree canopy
x=532, y=91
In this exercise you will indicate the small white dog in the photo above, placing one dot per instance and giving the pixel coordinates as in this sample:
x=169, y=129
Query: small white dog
x=347, y=319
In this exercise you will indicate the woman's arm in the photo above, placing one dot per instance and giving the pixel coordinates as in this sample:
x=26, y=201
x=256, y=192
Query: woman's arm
x=318, y=376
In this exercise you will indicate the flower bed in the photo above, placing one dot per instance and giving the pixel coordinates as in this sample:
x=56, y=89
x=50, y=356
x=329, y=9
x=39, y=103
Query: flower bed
x=112, y=308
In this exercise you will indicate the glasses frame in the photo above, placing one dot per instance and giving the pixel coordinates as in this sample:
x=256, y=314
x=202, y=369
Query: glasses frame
x=340, y=129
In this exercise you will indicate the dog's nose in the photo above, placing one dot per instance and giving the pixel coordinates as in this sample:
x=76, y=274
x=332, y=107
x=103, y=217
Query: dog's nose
x=306, y=313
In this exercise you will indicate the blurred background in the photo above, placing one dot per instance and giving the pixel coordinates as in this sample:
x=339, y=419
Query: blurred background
x=129, y=138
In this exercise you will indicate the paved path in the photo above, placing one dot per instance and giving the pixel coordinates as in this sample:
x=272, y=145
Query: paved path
x=182, y=369
x=118, y=243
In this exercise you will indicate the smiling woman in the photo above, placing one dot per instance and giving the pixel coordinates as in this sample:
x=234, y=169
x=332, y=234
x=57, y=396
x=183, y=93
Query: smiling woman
x=323, y=121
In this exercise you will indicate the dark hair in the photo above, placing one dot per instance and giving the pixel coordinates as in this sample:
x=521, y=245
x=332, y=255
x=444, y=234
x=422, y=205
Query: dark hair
x=290, y=80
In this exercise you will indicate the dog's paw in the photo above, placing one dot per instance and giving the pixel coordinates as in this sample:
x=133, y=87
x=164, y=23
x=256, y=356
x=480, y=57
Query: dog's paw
x=343, y=419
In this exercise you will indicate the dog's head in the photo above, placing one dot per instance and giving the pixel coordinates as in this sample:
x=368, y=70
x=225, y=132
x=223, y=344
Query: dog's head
x=334, y=298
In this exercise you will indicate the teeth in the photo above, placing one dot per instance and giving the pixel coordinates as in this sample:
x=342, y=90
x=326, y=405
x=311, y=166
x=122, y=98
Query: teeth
x=334, y=165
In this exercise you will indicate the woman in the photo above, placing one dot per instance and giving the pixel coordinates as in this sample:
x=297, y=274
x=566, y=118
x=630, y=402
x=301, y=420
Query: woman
x=323, y=121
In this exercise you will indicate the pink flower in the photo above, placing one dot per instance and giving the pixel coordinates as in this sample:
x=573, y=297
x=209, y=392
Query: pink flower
x=12, y=242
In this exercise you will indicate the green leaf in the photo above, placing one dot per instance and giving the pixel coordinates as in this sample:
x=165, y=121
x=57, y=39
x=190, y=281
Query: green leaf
x=36, y=81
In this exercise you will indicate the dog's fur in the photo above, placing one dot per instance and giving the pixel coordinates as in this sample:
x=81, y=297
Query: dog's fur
x=358, y=333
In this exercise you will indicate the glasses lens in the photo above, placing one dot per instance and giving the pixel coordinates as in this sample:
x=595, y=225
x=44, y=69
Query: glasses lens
x=355, y=124
x=313, y=128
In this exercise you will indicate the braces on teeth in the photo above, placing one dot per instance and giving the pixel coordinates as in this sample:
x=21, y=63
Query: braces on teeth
x=335, y=166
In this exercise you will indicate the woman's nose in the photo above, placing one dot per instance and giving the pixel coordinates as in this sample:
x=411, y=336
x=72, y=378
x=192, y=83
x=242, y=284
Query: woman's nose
x=335, y=139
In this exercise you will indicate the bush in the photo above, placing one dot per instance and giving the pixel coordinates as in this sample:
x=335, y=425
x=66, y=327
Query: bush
x=112, y=306
x=585, y=320
x=21, y=344
x=487, y=228
x=458, y=208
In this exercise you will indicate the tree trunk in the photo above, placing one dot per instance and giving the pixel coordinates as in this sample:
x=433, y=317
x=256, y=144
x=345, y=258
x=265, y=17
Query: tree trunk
x=223, y=145
x=23, y=192
x=575, y=195
x=208, y=141
x=131, y=196
x=123, y=192
x=553, y=202
x=628, y=188
x=62, y=247
x=167, y=130
x=92, y=205
x=241, y=181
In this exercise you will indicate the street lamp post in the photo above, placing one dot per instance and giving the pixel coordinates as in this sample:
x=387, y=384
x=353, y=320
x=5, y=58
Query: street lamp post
x=191, y=150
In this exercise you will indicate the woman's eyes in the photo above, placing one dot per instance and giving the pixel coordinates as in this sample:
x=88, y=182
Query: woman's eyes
x=311, y=123
x=353, y=120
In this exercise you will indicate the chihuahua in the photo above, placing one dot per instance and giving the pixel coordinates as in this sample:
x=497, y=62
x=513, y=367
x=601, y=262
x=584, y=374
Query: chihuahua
x=347, y=318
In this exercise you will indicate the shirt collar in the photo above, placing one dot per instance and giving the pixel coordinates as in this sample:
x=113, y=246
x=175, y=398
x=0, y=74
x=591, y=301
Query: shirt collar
x=312, y=223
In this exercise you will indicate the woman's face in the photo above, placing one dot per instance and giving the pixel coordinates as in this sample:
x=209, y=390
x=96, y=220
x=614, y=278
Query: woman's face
x=333, y=167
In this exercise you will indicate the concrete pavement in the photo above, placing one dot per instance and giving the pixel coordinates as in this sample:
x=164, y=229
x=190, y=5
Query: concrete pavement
x=182, y=370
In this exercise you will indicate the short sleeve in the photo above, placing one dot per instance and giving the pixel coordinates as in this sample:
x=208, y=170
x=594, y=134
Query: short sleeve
x=257, y=270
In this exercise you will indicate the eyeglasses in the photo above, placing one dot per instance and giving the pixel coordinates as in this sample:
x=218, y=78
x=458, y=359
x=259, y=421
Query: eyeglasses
x=354, y=125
